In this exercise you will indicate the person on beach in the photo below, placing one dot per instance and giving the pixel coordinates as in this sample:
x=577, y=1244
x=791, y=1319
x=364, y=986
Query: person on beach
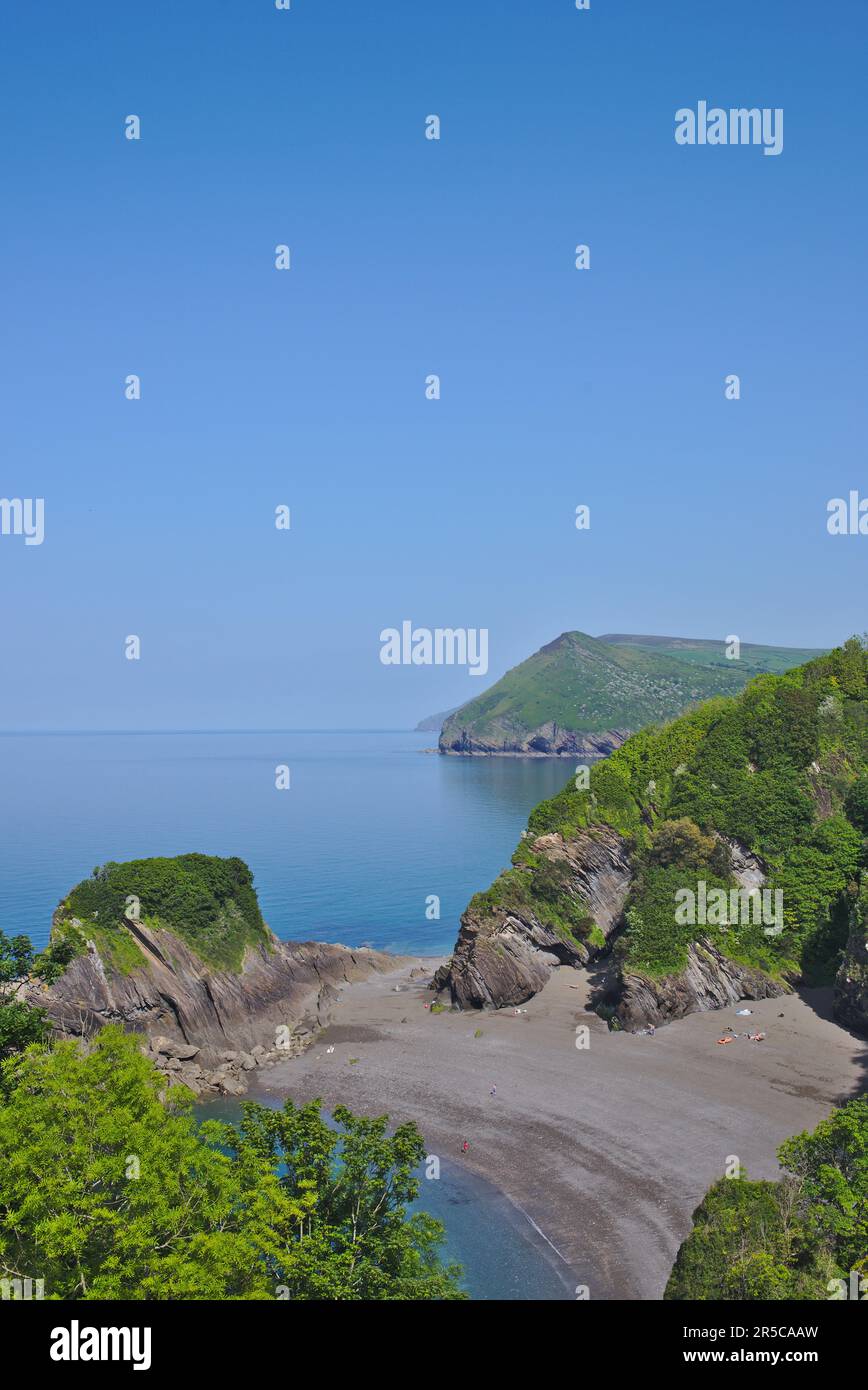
x=464, y=1147
x=493, y=1091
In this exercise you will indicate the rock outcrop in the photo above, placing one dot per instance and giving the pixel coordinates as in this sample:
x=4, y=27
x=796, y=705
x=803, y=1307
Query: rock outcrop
x=503, y=962
x=547, y=741
x=747, y=869
x=709, y=980
x=503, y=956
x=208, y=1027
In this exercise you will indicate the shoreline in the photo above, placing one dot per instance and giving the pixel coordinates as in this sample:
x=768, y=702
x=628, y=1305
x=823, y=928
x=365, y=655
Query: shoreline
x=568, y=755
x=605, y=1150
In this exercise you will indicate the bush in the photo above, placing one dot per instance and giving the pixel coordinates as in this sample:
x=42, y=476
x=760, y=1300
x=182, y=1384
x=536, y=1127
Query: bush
x=856, y=804
x=207, y=901
x=792, y=1239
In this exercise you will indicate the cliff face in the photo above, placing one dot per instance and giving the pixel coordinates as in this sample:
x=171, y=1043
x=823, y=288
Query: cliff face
x=504, y=954
x=739, y=827
x=547, y=741
x=503, y=958
x=709, y=980
x=207, y=1027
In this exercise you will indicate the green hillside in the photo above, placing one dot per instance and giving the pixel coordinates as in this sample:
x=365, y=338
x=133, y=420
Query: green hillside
x=783, y=771
x=578, y=686
x=754, y=657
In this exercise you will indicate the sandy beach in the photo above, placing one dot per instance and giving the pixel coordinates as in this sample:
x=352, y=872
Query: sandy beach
x=608, y=1148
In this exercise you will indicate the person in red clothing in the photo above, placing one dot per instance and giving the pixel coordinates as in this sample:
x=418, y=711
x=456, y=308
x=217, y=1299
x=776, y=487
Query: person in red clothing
x=464, y=1147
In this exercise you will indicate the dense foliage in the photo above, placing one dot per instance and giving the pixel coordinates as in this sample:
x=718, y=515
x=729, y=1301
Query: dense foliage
x=779, y=771
x=800, y=1238
x=207, y=901
x=20, y=1022
x=110, y=1191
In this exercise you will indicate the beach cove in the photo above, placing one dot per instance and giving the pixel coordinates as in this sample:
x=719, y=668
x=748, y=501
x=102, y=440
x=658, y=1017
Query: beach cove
x=606, y=1149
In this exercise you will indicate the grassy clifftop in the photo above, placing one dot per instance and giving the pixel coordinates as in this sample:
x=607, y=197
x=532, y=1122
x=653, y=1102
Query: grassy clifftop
x=210, y=903
x=754, y=657
x=585, y=685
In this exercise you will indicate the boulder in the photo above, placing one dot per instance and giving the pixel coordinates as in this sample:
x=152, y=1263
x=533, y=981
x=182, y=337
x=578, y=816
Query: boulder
x=170, y=1048
x=231, y=1086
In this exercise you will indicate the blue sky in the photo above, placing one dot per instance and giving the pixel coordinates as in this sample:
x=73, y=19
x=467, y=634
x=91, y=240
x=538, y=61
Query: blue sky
x=412, y=257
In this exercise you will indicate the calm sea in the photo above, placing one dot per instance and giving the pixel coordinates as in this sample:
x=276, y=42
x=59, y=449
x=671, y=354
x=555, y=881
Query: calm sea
x=370, y=828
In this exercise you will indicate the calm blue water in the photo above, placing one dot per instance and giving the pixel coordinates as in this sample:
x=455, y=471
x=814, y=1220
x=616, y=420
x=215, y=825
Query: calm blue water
x=370, y=827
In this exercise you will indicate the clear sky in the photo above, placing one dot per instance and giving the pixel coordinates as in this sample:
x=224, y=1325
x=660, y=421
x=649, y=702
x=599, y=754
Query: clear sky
x=412, y=256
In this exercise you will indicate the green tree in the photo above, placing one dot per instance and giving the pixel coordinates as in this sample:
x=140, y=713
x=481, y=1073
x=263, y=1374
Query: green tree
x=355, y=1238
x=856, y=803
x=682, y=844
x=20, y=1024
x=105, y=1192
x=787, y=1239
x=832, y=1166
x=108, y=1190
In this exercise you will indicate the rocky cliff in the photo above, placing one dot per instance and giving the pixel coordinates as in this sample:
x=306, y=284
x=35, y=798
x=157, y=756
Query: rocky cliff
x=507, y=947
x=756, y=804
x=206, y=1026
x=549, y=740
x=504, y=957
x=710, y=980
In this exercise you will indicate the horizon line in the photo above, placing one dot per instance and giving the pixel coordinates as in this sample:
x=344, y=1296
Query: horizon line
x=14, y=733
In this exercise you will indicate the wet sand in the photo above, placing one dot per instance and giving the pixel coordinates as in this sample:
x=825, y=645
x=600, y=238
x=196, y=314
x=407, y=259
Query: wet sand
x=607, y=1149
